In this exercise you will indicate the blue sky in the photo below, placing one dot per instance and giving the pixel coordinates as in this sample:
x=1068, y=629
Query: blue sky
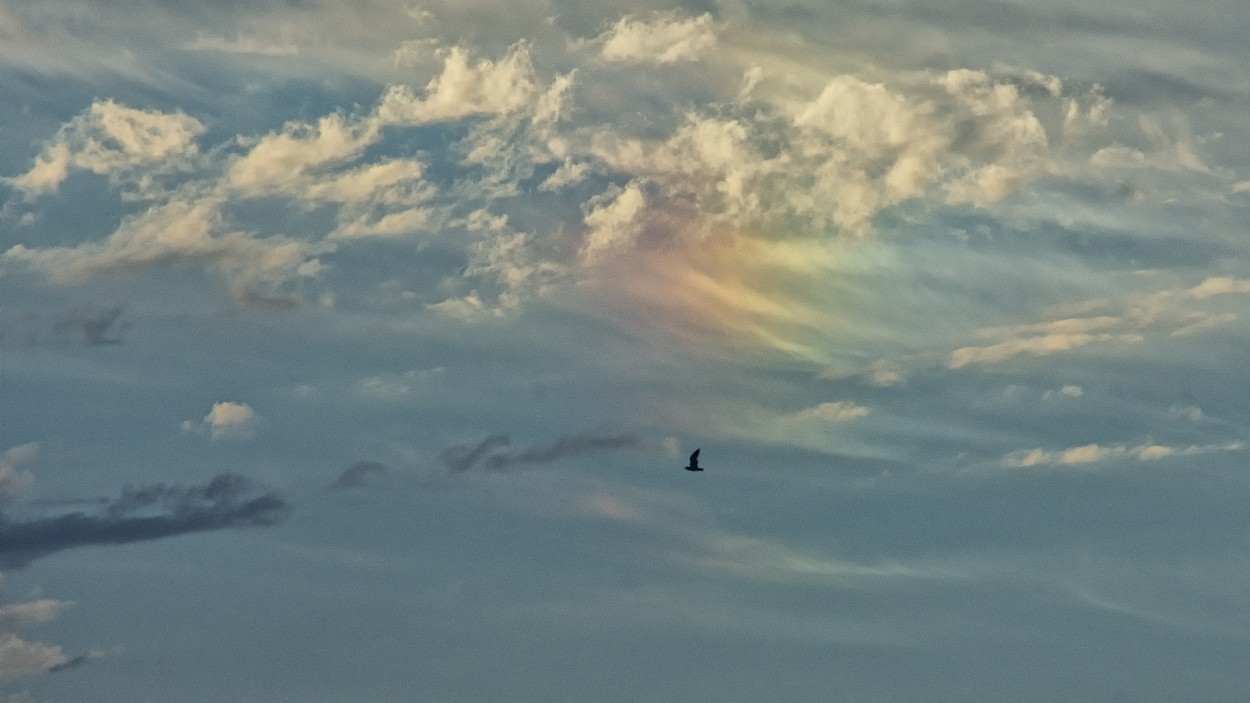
x=352, y=351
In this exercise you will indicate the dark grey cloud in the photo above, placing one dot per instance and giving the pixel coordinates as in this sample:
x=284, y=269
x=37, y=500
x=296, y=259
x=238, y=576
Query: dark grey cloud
x=92, y=325
x=144, y=513
x=75, y=662
x=462, y=457
x=490, y=453
x=88, y=325
x=359, y=474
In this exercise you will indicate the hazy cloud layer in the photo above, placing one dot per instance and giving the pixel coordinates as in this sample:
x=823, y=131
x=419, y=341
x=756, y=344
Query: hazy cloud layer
x=952, y=299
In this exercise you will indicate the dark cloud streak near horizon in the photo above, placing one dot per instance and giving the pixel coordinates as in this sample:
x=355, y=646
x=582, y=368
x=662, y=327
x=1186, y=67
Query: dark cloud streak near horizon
x=88, y=325
x=359, y=474
x=227, y=500
x=488, y=454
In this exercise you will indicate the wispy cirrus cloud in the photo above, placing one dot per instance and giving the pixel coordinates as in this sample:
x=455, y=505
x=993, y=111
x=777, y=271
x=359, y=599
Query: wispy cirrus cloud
x=1173, y=312
x=661, y=38
x=1088, y=454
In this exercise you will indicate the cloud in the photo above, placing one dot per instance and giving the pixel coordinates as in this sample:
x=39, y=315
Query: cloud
x=76, y=661
x=831, y=412
x=489, y=454
x=613, y=221
x=462, y=457
x=1166, y=149
x=110, y=139
x=1187, y=412
x=14, y=480
x=882, y=373
x=243, y=45
x=143, y=513
x=21, y=616
x=19, y=657
x=92, y=325
x=663, y=38
x=278, y=160
x=465, y=88
x=1094, y=453
x=226, y=420
x=1142, y=316
x=1219, y=285
x=178, y=232
x=359, y=474
x=1040, y=345
x=1069, y=390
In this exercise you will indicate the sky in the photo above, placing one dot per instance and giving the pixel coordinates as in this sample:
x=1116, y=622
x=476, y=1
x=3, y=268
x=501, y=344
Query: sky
x=353, y=350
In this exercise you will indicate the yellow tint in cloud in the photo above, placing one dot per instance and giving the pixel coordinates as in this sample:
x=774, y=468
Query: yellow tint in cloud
x=728, y=293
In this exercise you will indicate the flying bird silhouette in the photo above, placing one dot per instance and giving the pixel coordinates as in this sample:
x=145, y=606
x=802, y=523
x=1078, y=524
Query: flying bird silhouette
x=694, y=462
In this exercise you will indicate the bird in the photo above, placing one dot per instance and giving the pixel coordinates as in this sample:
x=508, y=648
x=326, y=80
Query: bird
x=694, y=462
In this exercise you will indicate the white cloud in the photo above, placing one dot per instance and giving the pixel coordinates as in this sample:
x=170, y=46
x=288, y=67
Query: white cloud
x=19, y=657
x=613, y=221
x=13, y=478
x=109, y=138
x=1186, y=412
x=244, y=45
x=568, y=173
x=1072, y=391
x=1166, y=150
x=1041, y=345
x=1219, y=285
x=22, y=616
x=394, y=181
x=278, y=160
x=226, y=420
x=392, y=224
x=665, y=37
x=882, y=373
x=831, y=412
x=465, y=88
x=1095, y=453
x=396, y=386
x=174, y=233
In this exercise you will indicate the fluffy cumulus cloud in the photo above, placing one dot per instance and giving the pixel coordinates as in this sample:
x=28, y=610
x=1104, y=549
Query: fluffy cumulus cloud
x=664, y=37
x=465, y=87
x=225, y=421
x=19, y=657
x=278, y=159
x=821, y=157
x=111, y=139
x=179, y=232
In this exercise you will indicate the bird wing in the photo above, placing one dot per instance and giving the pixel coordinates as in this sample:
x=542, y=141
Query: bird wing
x=694, y=458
